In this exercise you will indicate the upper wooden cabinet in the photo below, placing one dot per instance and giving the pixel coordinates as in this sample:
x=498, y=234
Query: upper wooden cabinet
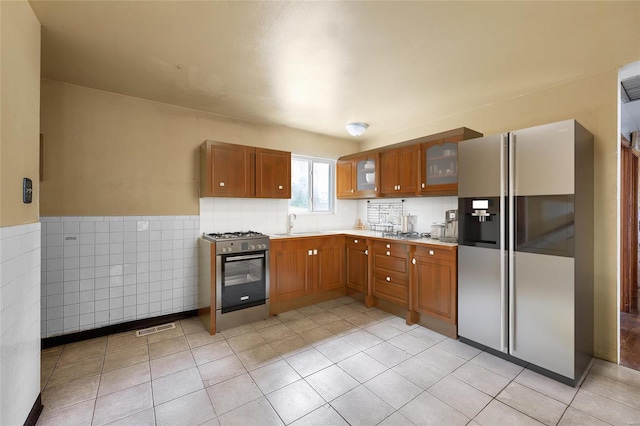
x=229, y=170
x=273, y=173
x=357, y=177
x=422, y=166
x=399, y=171
x=226, y=170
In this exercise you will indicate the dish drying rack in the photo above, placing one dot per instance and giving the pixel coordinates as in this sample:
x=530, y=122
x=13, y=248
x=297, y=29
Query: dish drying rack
x=384, y=216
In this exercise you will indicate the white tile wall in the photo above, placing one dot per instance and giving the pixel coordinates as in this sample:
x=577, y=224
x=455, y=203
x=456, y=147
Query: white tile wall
x=98, y=271
x=428, y=209
x=19, y=321
x=269, y=216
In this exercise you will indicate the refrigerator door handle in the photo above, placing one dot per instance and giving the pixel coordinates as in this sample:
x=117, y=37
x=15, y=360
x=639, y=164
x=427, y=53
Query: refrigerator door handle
x=504, y=185
x=512, y=237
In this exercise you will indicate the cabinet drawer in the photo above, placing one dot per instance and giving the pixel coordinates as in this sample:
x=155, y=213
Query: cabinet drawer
x=436, y=252
x=356, y=243
x=383, y=246
x=390, y=288
x=389, y=264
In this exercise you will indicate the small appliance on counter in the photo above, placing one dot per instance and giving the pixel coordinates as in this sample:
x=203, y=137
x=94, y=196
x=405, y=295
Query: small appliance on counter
x=450, y=227
x=437, y=231
x=408, y=222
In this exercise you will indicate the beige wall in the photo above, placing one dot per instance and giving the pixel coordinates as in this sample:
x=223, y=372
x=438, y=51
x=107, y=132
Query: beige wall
x=19, y=111
x=108, y=154
x=593, y=102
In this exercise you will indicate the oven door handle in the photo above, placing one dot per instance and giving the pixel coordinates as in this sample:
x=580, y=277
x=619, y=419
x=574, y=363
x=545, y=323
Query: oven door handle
x=246, y=257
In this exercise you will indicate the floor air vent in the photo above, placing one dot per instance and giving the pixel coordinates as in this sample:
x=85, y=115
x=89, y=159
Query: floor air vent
x=153, y=330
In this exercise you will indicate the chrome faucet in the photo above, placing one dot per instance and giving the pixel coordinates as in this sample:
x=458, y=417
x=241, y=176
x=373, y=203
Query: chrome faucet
x=292, y=217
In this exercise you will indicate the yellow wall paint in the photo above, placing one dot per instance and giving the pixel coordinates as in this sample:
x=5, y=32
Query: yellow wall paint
x=19, y=111
x=593, y=102
x=108, y=154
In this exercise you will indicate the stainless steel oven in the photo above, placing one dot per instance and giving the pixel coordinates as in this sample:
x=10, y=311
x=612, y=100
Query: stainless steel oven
x=241, y=278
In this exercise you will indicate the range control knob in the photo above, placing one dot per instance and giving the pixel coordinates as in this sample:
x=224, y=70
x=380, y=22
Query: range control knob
x=224, y=249
x=252, y=247
x=230, y=249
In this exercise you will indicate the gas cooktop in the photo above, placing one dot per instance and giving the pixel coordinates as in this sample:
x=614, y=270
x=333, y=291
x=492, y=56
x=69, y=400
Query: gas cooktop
x=233, y=235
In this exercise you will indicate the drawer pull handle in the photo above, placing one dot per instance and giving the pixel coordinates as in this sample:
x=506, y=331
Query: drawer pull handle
x=310, y=253
x=388, y=278
x=431, y=252
x=388, y=245
x=423, y=185
x=221, y=183
x=355, y=241
x=366, y=252
x=315, y=251
x=279, y=186
x=388, y=253
x=414, y=261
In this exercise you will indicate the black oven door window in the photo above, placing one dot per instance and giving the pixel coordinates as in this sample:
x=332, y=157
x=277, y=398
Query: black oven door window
x=243, y=281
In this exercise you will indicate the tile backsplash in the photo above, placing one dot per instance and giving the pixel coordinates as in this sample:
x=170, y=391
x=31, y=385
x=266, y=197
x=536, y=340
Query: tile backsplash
x=427, y=209
x=270, y=216
x=98, y=271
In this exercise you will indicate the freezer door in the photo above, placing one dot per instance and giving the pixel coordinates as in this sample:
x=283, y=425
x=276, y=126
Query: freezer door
x=480, y=167
x=543, y=159
x=481, y=300
x=543, y=312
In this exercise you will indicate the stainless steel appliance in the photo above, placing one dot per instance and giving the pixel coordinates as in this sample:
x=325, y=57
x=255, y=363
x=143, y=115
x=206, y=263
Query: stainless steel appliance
x=450, y=226
x=437, y=231
x=240, y=277
x=408, y=222
x=525, y=255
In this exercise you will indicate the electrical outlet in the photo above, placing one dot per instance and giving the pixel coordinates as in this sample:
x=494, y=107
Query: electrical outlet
x=27, y=190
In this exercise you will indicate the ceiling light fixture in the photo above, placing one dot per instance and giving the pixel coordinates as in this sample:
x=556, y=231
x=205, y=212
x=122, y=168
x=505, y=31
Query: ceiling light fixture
x=356, y=129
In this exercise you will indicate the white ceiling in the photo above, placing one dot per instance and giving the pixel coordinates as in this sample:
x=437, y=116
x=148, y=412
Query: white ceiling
x=318, y=65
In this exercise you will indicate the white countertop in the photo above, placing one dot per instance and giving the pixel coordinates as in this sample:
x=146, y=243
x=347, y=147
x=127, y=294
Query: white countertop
x=364, y=233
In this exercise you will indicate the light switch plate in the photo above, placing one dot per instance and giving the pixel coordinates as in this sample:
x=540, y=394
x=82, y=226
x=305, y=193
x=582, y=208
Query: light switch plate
x=27, y=190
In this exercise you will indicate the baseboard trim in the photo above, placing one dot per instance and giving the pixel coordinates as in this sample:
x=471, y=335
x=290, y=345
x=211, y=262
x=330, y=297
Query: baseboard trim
x=50, y=342
x=34, y=414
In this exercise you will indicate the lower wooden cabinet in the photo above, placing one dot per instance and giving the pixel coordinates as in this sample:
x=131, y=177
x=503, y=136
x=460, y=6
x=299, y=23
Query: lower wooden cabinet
x=357, y=264
x=302, y=266
x=328, y=263
x=435, y=280
x=420, y=278
x=390, y=271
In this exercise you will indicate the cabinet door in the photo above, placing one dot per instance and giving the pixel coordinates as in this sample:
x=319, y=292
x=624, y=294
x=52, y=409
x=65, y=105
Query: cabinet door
x=344, y=179
x=330, y=268
x=366, y=176
x=232, y=168
x=408, y=169
x=389, y=172
x=390, y=288
x=289, y=273
x=436, y=285
x=439, y=167
x=273, y=173
x=357, y=268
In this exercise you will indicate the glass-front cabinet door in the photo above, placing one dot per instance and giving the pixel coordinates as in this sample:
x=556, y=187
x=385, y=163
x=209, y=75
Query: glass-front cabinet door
x=440, y=167
x=366, y=176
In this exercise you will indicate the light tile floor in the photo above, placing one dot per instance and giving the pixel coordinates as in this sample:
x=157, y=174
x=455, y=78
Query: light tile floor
x=334, y=363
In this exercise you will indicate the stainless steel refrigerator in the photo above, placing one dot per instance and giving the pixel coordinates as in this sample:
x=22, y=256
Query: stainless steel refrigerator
x=525, y=254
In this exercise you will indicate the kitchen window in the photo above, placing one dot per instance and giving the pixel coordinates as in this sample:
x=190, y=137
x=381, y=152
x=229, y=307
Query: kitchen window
x=312, y=185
